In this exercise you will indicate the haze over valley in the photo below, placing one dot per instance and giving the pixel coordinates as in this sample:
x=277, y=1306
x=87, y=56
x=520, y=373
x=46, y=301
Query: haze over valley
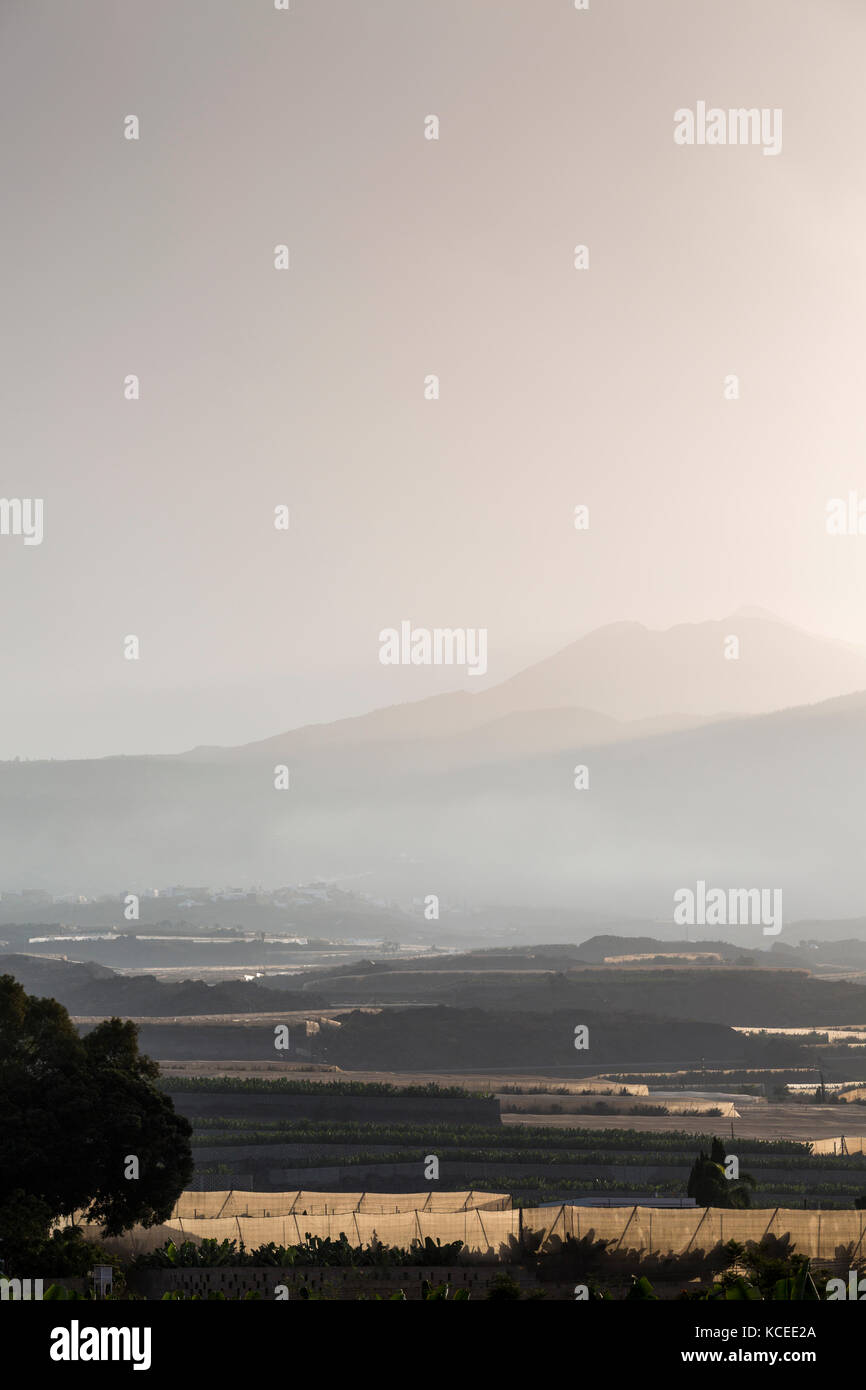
x=699, y=767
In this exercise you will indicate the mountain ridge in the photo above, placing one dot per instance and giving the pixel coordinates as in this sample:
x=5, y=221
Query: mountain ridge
x=460, y=711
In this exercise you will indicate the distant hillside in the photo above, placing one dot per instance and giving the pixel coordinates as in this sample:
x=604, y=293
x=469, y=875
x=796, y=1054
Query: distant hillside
x=475, y=1038
x=600, y=948
x=739, y=997
x=492, y=814
x=632, y=672
x=821, y=954
x=623, y=680
x=93, y=990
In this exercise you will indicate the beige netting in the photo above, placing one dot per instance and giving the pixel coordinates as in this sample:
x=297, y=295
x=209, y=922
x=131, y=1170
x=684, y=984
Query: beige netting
x=650, y=1230
x=677, y=1231
x=478, y=1230
x=645, y=1230
x=206, y=1205
x=840, y=1145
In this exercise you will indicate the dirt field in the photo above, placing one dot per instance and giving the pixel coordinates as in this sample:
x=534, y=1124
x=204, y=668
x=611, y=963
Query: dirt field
x=800, y=1122
x=620, y=1105
x=472, y=1081
x=756, y=1118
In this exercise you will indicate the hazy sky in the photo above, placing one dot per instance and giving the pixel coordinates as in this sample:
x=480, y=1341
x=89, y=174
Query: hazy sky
x=410, y=256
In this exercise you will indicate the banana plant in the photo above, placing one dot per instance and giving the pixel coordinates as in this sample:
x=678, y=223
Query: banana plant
x=641, y=1288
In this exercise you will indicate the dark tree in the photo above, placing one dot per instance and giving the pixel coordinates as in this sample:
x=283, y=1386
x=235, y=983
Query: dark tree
x=74, y=1112
x=711, y=1188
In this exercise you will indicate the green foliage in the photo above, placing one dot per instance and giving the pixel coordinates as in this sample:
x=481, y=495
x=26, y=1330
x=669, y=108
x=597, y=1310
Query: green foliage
x=213, y=1296
x=800, y=1287
x=595, y=1293
x=65, y=1252
x=535, y=1143
x=290, y=1086
x=71, y=1109
x=711, y=1188
x=730, y=1288
x=772, y=1261
x=430, y=1293
x=641, y=1288
x=503, y=1288
x=24, y=1224
x=60, y=1294
x=572, y=1258
x=317, y=1251
x=773, y=1271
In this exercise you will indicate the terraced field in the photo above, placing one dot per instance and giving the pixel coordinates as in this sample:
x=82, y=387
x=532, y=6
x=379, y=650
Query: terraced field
x=534, y=1162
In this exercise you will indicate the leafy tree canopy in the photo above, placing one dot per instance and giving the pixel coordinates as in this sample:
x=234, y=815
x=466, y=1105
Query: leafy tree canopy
x=711, y=1187
x=73, y=1111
